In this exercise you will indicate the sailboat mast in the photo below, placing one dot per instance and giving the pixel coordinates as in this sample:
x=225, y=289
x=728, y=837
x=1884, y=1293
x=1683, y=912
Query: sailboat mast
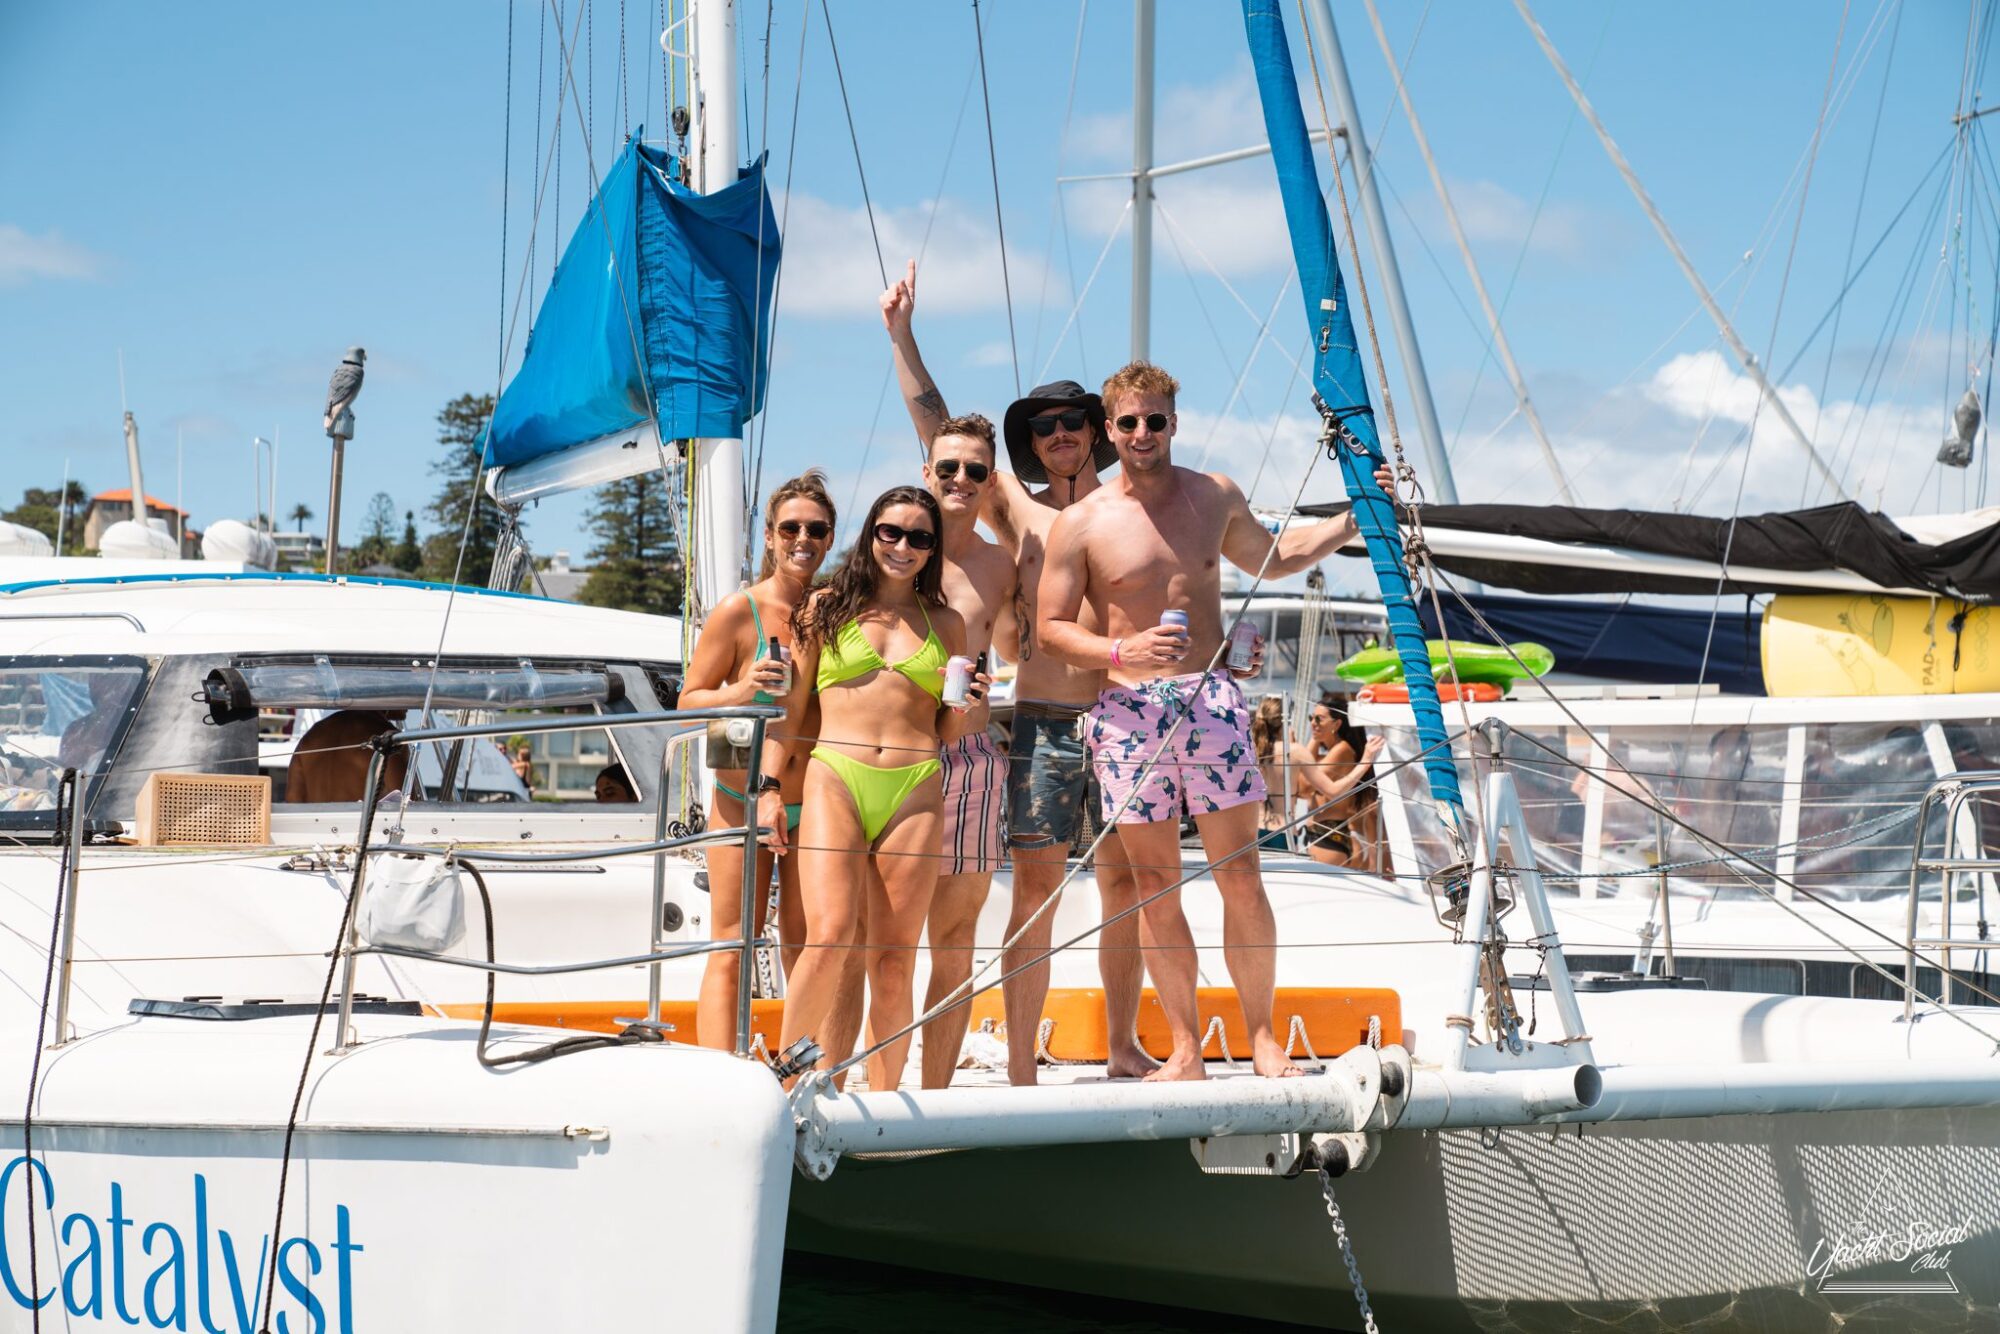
x=1142, y=179
x=720, y=502
x=139, y=510
x=1440, y=482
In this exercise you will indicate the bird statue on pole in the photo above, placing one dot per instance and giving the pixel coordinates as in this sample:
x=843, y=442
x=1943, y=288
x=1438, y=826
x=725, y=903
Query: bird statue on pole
x=341, y=392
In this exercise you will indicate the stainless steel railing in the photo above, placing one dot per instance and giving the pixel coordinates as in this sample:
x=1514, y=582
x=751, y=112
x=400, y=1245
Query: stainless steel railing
x=1964, y=853
x=686, y=722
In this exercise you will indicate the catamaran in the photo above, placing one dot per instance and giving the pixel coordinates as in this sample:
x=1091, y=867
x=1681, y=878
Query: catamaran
x=251, y=1027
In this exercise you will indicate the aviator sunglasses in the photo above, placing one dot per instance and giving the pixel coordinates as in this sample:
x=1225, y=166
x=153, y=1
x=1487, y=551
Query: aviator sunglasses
x=946, y=469
x=817, y=529
x=1071, y=419
x=1156, y=422
x=920, y=539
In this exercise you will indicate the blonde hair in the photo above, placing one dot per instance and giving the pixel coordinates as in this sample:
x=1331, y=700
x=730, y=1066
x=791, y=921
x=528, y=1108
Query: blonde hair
x=1267, y=727
x=1139, y=377
x=808, y=485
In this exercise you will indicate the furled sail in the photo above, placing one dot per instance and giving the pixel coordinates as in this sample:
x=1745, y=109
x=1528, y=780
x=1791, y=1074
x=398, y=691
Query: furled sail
x=660, y=289
x=1339, y=387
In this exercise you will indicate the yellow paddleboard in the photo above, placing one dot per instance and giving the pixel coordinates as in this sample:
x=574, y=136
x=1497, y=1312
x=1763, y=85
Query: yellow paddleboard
x=1874, y=644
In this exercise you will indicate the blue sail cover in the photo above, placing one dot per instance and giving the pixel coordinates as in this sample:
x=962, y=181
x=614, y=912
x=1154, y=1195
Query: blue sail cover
x=658, y=285
x=1338, y=381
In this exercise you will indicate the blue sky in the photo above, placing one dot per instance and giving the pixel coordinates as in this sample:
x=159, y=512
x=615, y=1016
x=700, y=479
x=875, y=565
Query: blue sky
x=233, y=194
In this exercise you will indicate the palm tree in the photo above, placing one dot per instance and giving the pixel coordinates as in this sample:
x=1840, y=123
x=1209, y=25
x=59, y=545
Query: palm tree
x=300, y=513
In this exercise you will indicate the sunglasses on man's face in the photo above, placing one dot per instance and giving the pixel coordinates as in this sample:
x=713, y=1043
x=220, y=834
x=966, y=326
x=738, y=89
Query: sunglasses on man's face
x=946, y=469
x=817, y=529
x=1070, y=419
x=920, y=539
x=1156, y=422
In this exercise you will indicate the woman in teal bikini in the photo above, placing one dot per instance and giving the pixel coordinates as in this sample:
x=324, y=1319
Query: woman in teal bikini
x=873, y=644
x=732, y=666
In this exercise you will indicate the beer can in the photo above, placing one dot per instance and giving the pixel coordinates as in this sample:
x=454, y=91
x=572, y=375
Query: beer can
x=1175, y=617
x=957, y=678
x=783, y=655
x=1242, y=646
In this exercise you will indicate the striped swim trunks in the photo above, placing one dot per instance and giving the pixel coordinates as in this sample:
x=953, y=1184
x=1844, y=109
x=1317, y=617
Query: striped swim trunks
x=975, y=789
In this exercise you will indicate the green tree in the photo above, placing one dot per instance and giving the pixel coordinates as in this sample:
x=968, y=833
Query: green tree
x=408, y=555
x=300, y=513
x=637, y=561
x=378, y=532
x=42, y=509
x=459, y=425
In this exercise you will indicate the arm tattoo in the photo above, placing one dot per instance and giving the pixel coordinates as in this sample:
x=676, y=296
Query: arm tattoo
x=931, y=401
x=1024, y=622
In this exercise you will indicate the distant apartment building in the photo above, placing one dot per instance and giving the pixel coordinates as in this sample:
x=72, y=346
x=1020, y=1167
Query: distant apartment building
x=300, y=551
x=109, y=507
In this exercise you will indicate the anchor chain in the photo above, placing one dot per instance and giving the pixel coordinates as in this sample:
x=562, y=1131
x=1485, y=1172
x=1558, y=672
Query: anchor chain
x=1347, y=1252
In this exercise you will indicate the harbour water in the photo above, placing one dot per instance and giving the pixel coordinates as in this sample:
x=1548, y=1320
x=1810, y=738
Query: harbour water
x=828, y=1296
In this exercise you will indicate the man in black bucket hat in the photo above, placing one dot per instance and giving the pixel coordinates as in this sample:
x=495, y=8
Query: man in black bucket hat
x=1055, y=436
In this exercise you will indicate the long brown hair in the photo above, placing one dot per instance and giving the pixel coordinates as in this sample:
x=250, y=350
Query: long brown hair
x=1267, y=727
x=852, y=586
x=808, y=485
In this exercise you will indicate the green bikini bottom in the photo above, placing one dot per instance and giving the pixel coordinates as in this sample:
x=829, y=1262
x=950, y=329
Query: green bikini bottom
x=792, y=808
x=878, y=792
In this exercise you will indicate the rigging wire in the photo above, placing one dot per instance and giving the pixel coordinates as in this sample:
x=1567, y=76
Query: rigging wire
x=1056, y=211
x=784, y=222
x=854, y=138
x=999, y=223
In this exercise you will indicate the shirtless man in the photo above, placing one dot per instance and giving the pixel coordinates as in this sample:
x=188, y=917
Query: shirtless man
x=1163, y=742
x=981, y=586
x=1054, y=435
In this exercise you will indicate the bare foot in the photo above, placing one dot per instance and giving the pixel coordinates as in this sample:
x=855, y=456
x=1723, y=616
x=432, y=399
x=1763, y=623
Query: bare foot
x=1023, y=1076
x=1269, y=1060
x=1130, y=1063
x=1181, y=1065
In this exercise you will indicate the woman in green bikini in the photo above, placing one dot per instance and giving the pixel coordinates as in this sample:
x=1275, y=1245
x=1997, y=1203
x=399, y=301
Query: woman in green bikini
x=732, y=666
x=873, y=644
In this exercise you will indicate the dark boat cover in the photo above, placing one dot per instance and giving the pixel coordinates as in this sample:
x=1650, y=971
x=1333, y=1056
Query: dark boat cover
x=1619, y=640
x=1843, y=536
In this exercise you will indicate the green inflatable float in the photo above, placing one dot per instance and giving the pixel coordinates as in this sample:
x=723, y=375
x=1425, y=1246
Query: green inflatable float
x=1493, y=664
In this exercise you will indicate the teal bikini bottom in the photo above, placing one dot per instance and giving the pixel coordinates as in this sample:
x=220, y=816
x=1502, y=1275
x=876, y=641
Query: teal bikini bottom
x=792, y=808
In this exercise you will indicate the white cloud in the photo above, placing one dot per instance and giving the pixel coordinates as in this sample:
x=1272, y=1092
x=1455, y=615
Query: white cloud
x=996, y=353
x=1493, y=214
x=830, y=268
x=25, y=257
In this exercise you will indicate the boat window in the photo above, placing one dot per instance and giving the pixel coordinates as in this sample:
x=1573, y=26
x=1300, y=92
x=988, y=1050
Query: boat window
x=1861, y=781
x=59, y=713
x=1725, y=780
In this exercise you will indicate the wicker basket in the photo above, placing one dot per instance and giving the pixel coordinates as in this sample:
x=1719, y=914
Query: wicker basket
x=205, y=809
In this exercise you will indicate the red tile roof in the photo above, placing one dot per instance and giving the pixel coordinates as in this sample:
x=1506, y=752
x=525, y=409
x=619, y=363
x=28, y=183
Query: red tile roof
x=123, y=496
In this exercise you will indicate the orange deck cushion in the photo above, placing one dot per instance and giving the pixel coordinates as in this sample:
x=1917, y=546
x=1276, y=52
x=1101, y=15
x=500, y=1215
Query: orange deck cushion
x=1335, y=1019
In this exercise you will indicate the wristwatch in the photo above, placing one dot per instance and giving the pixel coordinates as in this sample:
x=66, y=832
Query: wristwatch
x=766, y=783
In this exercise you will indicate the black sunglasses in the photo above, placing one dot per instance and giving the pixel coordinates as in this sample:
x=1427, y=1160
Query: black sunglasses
x=817, y=529
x=946, y=469
x=1156, y=422
x=920, y=539
x=1071, y=419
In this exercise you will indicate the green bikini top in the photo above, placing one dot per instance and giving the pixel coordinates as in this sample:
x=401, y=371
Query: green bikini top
x=849, y=654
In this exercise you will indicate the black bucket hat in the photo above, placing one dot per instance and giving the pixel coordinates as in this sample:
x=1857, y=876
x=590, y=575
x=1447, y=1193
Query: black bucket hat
x=1061, y=394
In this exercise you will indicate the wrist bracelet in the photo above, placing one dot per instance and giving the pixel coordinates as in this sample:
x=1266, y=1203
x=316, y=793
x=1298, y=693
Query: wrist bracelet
x=1116, y=644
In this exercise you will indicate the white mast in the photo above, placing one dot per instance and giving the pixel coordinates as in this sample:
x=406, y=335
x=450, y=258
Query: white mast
x=1500, y=345
x=719, y=498
x=1428, y=429
x=1142, y=178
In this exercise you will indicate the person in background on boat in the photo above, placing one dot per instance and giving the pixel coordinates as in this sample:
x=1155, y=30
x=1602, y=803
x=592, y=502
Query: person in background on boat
x=732, y=666
x=330, y=763
x=1055, y=436
x=1166, y=741
x=523, y=765
x=980, y=585
x=873, y=644
x=1326, y=772
x=613, y=786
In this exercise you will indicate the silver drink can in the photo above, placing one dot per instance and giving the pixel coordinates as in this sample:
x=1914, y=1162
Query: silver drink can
x=1176, y=618
x=957, y=679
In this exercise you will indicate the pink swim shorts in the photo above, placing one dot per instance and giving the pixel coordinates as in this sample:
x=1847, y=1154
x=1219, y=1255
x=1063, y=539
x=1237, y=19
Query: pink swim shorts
x=1177, y=745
